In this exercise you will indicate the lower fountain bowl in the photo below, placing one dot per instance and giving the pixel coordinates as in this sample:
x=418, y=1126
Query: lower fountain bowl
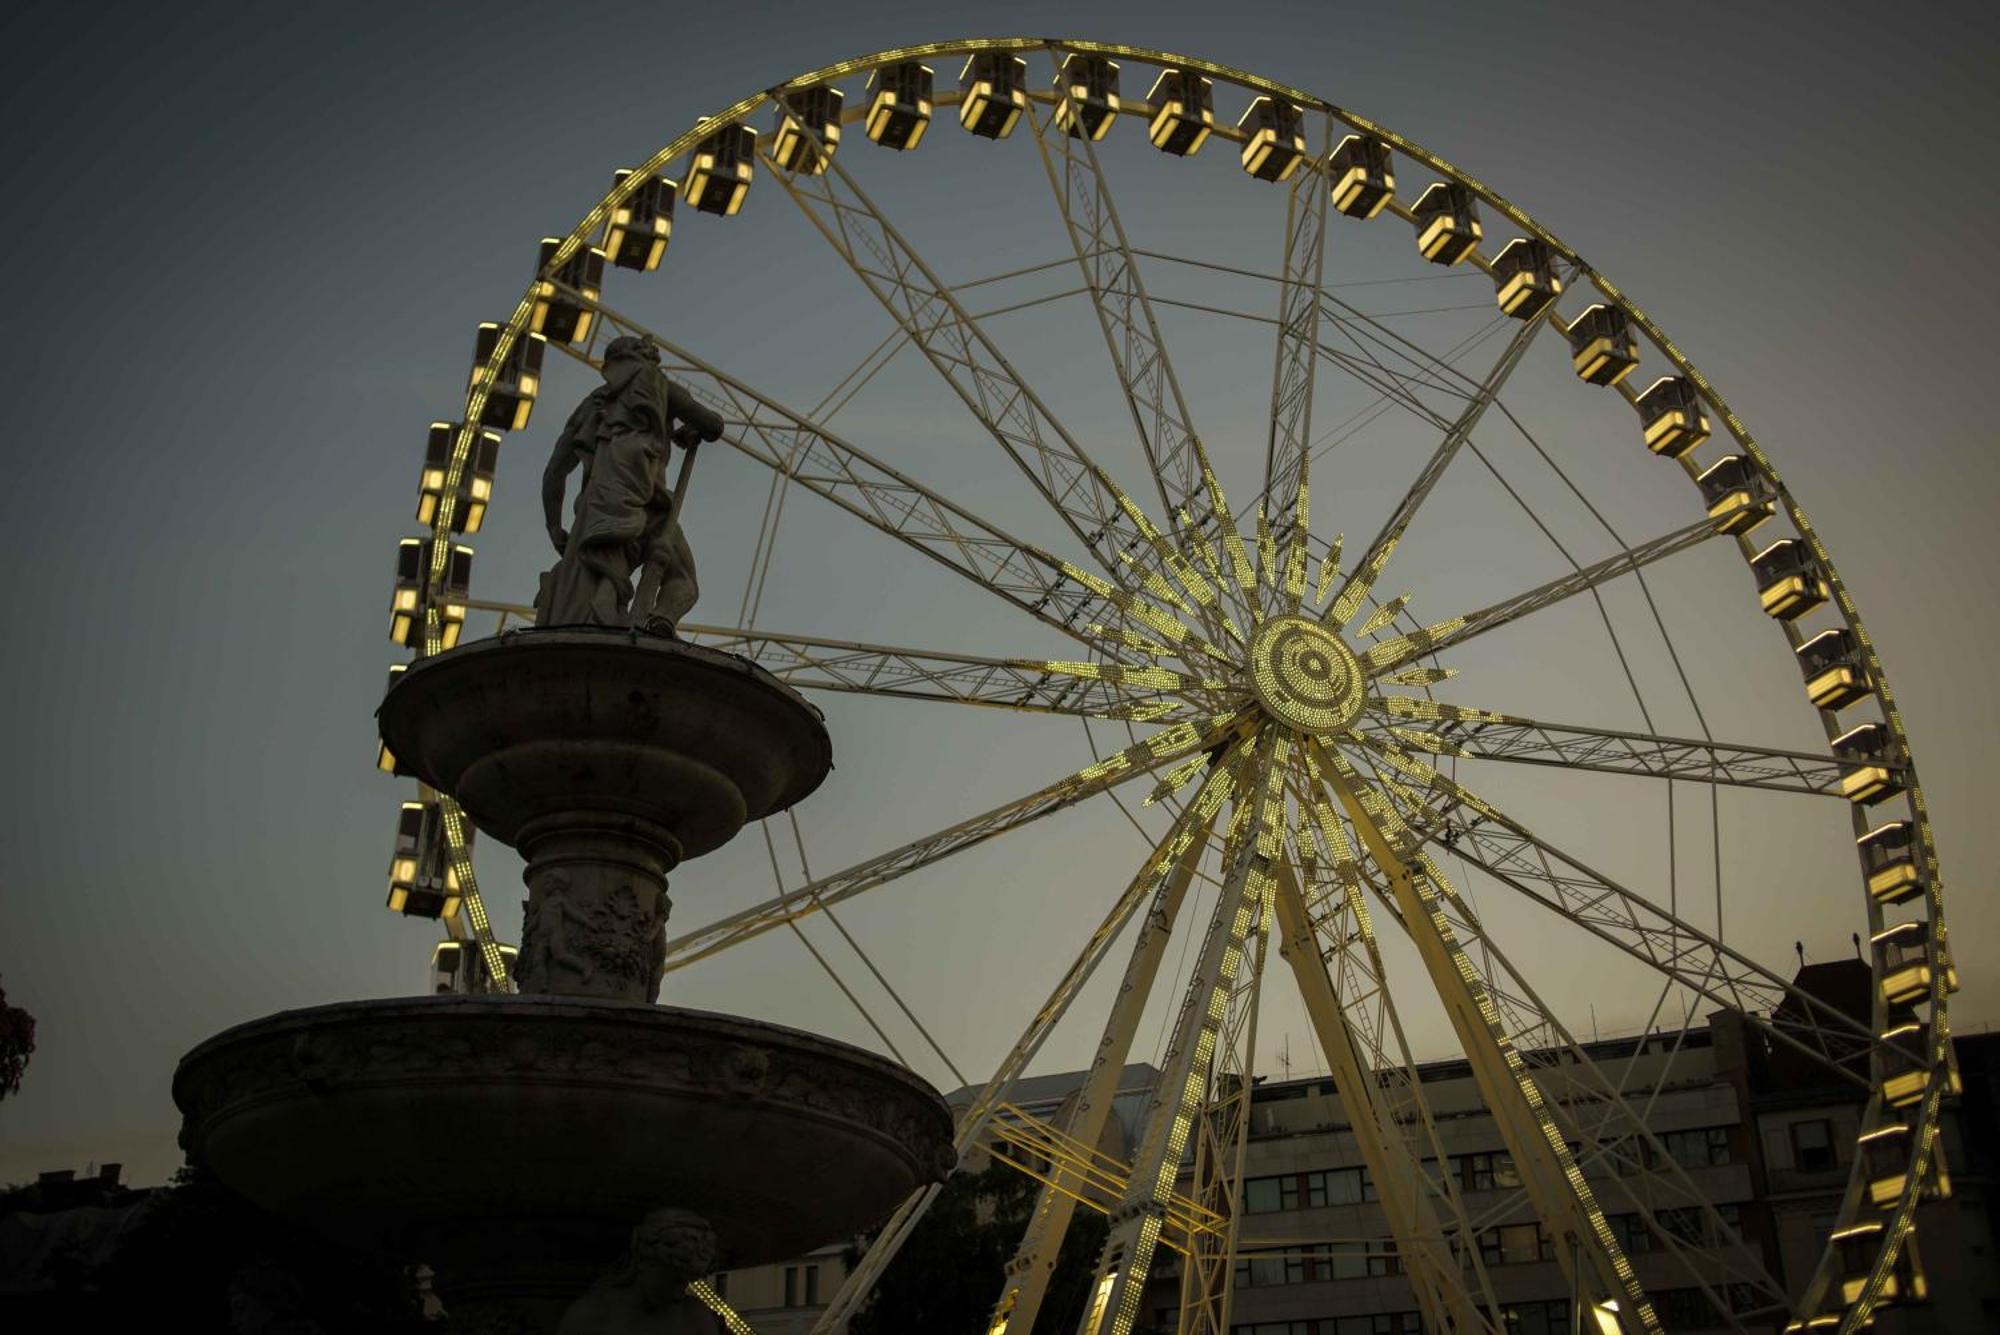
x=459, y=1130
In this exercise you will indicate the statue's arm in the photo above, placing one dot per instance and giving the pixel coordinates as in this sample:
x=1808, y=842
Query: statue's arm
x=685, y=407
x=562, y=462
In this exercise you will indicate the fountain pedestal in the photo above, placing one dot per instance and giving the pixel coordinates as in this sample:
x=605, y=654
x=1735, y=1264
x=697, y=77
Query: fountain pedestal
x=513, y=1142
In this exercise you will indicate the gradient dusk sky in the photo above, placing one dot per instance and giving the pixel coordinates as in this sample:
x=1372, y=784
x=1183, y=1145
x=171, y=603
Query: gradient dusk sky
x=252, y=243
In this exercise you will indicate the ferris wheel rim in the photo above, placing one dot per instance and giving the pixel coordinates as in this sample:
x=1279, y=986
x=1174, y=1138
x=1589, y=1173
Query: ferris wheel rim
x=1937, y=1050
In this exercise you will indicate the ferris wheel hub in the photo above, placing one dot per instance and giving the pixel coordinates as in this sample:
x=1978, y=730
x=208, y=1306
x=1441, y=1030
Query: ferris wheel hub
x=1305, y=676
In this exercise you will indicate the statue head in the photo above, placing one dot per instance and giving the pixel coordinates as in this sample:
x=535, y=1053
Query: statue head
x=671, y=1248
x=627, y=348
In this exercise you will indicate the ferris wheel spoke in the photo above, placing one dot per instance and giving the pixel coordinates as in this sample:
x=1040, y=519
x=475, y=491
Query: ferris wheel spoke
x=1616, y=1146
x=1338, y=967
x=1288, y=448
x=1171, y=744
x=1078, y=690
x=1389, y=655
x=1439, y=810
x=1161, y=883
x=935, y=322
x=1598, y=1269
x=1415, y=724
x=814, y=457
x=1361, y=581
x=1191, y=496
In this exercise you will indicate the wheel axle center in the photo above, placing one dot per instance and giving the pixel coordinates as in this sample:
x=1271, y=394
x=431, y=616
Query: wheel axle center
x=1305, y=676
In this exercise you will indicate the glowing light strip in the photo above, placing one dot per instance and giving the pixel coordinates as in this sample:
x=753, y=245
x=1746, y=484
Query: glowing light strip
x=1329, y=566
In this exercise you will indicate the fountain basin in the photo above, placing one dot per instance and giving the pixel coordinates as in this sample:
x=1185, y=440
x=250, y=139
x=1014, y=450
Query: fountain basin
x=484, y=1134
x=534, y=726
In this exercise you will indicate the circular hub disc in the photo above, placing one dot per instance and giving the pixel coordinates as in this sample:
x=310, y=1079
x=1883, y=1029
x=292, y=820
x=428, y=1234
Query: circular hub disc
x=1304, y=676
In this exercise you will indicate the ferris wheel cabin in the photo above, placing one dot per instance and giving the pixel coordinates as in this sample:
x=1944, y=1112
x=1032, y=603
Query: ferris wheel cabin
x=1735, y=493
x=1904, y=963
x=899, y=104
x=512, y=390
x=459, y=967
x=642, y=223
x=1183, y=112
x=1789, y=583
x=1091, y=83
x=1602, y=345
x=423, y=883
x=1835, y=676
x=1889, y=860
x=407, y=606
x=475, y=481
x=1675, y=420
x=994, y=89
x=807, y=130
x=718, y=176
x=1875, y=764
x=557, y=314
x=1447, y=223
x=1362, y=176
x=1524, y=278
x=1277, y=142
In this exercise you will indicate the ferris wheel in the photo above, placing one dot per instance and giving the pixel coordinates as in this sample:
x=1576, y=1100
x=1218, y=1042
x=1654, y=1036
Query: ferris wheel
x=1295, y=730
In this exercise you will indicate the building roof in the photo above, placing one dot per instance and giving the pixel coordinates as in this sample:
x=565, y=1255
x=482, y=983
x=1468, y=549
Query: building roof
x=1034, y=1089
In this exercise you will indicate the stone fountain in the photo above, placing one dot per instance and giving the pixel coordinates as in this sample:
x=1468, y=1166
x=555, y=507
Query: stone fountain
x=570, y=1156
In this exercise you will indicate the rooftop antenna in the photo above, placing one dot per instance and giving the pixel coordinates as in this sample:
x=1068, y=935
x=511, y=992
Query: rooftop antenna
x=1800, y=946
x=1857, y=944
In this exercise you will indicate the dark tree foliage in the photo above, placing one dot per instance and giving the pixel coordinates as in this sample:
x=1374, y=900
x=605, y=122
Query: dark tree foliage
x=201, y=1258
x=948, y=1274
x=17, y=1044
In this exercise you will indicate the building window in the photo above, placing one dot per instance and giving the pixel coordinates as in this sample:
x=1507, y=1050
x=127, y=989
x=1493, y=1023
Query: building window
x=1812, y=1146
x=812, y=1286
x=1487, y=1172
x=1684, y=1309
x=1261, y=1195
x=1550, y=1317
x=791, y=1286
x=1702, y=1147
x=1514, y=1244
x=720, y=1284
x=1307, y=1191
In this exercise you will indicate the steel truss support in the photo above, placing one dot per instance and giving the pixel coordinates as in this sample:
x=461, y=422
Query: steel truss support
x=1448, y=730
x=1442, y=811
x=1390, y=655
x=1442, y=1298
x=811, y=663
x=1221, y=1136
x=1034, y=1261
x=1361, y=580
x=1117, y=1291
x=1162, y=748
x=1183, y=845
x=1590, y=1256
x=1083, y=494
x=815, y=458
x=1618, y=1147
x=1192, y=497
x=1288, y=449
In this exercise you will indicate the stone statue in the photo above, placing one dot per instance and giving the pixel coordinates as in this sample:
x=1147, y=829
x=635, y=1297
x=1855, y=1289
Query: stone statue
x=624, y=522
x=648, y=1293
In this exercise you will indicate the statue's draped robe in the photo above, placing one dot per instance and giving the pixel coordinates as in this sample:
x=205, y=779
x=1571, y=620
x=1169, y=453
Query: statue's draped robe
x=621, y=430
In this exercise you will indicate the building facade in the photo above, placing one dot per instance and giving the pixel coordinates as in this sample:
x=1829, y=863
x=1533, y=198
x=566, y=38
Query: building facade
x=1767, y=1139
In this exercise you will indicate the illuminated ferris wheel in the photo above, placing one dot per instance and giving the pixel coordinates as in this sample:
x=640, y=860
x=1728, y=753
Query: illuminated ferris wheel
x=1319, y=776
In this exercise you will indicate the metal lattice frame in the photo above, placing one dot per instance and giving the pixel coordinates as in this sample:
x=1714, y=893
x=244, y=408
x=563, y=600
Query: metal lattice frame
x=1328, y=812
